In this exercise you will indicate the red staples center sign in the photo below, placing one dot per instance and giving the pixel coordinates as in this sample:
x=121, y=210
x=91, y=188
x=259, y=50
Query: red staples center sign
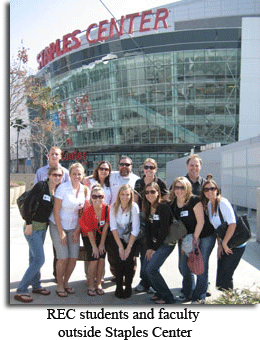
x=103, y=31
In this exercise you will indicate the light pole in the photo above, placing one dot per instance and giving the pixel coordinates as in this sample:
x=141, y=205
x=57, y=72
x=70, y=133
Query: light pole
x=19, y=125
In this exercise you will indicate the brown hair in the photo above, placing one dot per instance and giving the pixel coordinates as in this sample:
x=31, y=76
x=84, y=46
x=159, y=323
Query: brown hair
x=146, y=204
x=192, y=157
x=204, y=199
x=95, y=172
x=187, y=185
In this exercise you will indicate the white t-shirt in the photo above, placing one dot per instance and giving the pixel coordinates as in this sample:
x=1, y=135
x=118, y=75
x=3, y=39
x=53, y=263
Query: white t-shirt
x=107, y=191
x=226, y=210
x=69, y=212
x=116, y=181
x=121, y=220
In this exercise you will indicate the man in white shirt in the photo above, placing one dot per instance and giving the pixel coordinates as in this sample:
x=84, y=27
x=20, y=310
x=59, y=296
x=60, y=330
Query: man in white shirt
x=123, y=176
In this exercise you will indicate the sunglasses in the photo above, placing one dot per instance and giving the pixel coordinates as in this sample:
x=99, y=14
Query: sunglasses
x=176, y=187
x=95, y=197
x=56, y=175
x=153, y=192
x=150, y=167
x=103, y=169
x=210, y=189
x=125, y=164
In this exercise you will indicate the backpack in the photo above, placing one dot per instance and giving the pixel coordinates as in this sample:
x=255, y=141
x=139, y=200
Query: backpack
x=21, y=200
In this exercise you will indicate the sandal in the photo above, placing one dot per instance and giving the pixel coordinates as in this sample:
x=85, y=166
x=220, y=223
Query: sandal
x=92, y=292
x=160, y=302
x=61, y=293
x=100, y=291
x=26, y=298
x=70, y=290
x=42, y=291
x=154, y=298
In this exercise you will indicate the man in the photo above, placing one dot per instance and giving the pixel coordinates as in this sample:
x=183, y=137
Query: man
x=123, y=176
x=54, y=157
x=194, y=165
x=118, y=178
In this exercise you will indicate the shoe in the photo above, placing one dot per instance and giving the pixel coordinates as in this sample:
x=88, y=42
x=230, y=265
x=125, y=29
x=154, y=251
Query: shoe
x=140, y=288
x=208, y=294
x=61, y=293
x=26, y=298
x=70, y=290
x=42, y=291
x=128, y=292
x=92, y=292
x=119, y=293
x=151, y=291
x=100, y=291
x=198, y=302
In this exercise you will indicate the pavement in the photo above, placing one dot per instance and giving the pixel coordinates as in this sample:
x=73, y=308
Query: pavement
x=247, y=275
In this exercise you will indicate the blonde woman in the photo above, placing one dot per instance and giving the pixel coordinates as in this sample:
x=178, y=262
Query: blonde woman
x=64, y=227
x=123, y=214
x=94, y=226
x=188, y=208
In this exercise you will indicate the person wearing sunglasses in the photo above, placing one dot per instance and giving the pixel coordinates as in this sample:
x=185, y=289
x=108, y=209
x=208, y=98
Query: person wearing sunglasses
x=69, y=199
x=189, y=209
x=124, y=175
x=158, y=218
x=35, y=232
x=149, y=168
x=228, y=259
x=125, y=227
x=94, y=225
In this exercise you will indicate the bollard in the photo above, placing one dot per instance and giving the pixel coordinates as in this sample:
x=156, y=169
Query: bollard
x=258, y=216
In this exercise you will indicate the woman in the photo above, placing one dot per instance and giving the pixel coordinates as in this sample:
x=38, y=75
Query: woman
x=101, y=176
x=158, y=218
x=228, y=259
x=94, y=225
x=35, y=231
x=188, y=208
x=125, y=226
x=64, y=228
x=149, y=168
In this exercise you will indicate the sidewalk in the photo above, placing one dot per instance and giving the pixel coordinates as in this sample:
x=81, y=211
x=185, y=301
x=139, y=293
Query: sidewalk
x=247, y=274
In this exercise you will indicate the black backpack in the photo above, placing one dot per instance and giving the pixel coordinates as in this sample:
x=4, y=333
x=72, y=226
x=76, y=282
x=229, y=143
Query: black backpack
x=21, y=200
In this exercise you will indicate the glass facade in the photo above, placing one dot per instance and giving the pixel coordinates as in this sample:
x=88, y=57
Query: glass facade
x=155, y=104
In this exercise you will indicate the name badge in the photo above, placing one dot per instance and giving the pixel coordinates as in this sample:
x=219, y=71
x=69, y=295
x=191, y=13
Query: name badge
x=184, y=213
x=101, y=222
x=46, y=198
x=156, y=217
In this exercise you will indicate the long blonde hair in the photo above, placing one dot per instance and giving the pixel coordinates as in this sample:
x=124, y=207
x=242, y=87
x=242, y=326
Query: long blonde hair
x=118, y=201
x=187, y=185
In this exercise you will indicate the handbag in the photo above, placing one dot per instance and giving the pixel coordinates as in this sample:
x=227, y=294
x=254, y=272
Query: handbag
x=177, y=231
x=241, y=234
x=195, y=260
x=127, y=232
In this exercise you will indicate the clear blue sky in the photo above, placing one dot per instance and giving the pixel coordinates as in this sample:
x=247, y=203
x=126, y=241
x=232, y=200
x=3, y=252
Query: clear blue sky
x=39, y=22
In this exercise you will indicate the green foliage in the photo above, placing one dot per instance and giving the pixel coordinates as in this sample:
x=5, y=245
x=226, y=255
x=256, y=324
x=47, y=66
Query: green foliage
x=236, y=297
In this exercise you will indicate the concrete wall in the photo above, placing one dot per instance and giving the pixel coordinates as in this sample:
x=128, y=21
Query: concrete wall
x=235, y=167
x=27, y=178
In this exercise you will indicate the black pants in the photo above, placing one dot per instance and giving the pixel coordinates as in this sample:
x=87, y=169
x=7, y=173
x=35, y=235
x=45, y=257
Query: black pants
x=226, y=267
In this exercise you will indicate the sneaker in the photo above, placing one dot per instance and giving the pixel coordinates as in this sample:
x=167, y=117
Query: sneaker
x=151, y=291
x=140, y=288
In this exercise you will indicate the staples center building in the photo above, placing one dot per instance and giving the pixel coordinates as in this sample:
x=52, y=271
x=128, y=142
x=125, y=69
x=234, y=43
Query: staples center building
x=157, y=83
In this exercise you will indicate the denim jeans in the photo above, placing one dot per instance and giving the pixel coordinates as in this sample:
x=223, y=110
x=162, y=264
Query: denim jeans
x=226, y=267
x=151, y=273
x=191, y=290
x=36, y=260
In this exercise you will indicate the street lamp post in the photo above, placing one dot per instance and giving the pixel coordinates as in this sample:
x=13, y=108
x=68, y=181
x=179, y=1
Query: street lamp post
x=19, y=125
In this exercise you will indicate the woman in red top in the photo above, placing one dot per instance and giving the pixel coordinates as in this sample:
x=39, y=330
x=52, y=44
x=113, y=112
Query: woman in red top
x=94, y=225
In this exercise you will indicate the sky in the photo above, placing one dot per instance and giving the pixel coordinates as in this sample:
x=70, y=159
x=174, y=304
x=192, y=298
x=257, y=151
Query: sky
x=37, y=23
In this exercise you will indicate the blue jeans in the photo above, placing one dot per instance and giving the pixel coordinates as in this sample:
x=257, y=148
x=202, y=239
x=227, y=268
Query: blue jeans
x=191, y=290
x=151, y=273
x=36, y=260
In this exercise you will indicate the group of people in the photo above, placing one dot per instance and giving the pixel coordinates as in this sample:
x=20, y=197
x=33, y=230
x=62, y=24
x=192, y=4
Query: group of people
x=121, y=216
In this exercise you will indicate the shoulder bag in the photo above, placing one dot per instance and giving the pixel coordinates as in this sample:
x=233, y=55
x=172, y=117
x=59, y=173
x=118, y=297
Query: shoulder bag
x=177, y=231
x=195, y=260
x=241, y=234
